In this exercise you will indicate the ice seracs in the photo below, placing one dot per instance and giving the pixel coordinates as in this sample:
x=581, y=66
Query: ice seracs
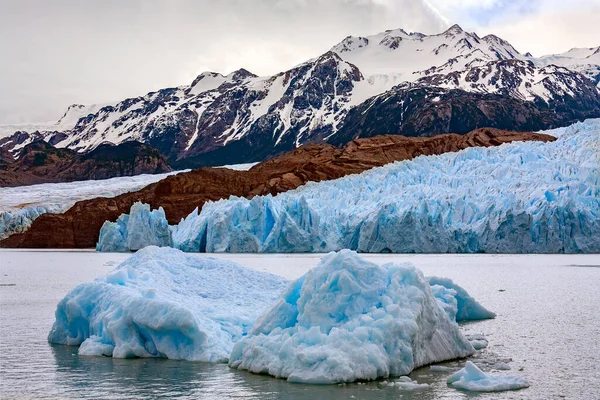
x=136, y=230
x=164, y=303
x=527, y=197
x=471, y=378
x=349, y=319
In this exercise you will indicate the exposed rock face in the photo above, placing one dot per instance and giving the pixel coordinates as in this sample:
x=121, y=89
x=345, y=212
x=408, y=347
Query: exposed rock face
x=40, y=162
x=415, y=110
x=179, y=194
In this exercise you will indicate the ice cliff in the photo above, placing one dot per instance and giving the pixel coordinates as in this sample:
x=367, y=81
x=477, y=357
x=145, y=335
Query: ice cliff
x=526, y=197
x=165, y=303
x=349, y=319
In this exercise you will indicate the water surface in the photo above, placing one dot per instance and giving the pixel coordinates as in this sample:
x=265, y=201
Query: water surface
x=548, y=325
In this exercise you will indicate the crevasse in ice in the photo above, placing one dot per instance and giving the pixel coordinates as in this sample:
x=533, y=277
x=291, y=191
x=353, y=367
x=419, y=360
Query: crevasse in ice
x=162, y=302
x=136, y=230
x=19, y=220
x=349, y=319
x=524, y=197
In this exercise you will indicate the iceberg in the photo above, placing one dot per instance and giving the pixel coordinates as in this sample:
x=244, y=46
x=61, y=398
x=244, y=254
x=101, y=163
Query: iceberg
x=471, y=378
x=162, y=302
x=136, y=230
x=526, y=197
x=454, y=297
x=348, y=319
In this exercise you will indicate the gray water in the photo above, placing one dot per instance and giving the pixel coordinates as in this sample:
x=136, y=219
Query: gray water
x=547, y=329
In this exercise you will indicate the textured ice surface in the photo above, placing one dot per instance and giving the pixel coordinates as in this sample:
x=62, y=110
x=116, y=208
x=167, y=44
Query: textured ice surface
x=349, y=319
x=526, y=197
x=165, y=303
x=454, y=297
x=473, y=379
x=136, y=230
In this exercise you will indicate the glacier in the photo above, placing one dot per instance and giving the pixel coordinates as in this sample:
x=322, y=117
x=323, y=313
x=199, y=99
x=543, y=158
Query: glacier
x=471, y=378
x=527, y=197
x=349, y=319
x=19, y=220
x=162, y=302
x=136, y=230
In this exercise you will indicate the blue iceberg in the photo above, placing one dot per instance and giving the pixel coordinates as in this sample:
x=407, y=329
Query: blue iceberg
x=162, y=302
x=456, y=301
x=349, y=319
x=527, y=197
x=136, y=230
x=471, y=378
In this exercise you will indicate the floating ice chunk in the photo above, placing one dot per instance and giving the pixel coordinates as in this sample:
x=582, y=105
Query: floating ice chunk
x=467, y=307
x=473, y=379
x=349, y=319
x=165, y=303
x=477, y=340
x=440, y=368
x=136, y=230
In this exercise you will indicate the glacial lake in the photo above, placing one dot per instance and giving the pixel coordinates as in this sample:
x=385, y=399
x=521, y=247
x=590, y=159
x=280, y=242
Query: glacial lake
x=547, y=329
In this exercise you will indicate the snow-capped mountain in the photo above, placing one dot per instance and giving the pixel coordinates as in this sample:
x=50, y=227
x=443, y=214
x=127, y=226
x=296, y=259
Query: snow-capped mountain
x=240, y=117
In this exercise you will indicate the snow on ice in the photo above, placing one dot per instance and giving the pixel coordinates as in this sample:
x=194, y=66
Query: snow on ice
x=471, y=378
x=349, y=319
x=526, y=197
x=165, y=303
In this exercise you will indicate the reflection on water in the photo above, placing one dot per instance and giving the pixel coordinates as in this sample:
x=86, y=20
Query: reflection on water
x=105, y=377
x=547, y=323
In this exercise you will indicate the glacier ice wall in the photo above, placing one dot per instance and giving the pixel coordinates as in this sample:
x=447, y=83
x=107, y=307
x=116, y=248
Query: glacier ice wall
x=136, y=230
x=19, y=220
x=526, y=197
x=349, y=319
x=162, y=302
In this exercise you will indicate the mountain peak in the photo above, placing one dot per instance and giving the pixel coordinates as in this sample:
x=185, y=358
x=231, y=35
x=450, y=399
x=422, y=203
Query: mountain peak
x=240, y=74
x=453, y=30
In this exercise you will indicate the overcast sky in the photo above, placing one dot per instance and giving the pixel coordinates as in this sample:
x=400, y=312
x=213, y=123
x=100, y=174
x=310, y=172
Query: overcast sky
x=59, y=52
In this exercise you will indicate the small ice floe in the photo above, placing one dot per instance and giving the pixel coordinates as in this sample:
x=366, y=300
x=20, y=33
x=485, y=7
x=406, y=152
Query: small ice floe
x=407, y=384
x=471, y=378
x=477, y=340
x=440, y=368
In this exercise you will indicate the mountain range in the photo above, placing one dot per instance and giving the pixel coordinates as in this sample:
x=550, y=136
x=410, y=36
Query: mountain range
x=390, y=83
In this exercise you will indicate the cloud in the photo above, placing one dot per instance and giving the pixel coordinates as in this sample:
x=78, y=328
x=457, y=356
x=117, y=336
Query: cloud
x=71, y=51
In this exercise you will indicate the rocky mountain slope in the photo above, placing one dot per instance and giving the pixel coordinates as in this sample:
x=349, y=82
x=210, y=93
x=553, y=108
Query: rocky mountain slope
x=240, y=117
x=180, y=194
x=41, y=162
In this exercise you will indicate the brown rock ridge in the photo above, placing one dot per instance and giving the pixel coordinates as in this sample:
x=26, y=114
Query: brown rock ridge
x=41, y=162
x=79, y=227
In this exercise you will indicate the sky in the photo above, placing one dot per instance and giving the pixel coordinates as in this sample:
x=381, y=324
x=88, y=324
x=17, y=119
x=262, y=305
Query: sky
x=60, y=52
